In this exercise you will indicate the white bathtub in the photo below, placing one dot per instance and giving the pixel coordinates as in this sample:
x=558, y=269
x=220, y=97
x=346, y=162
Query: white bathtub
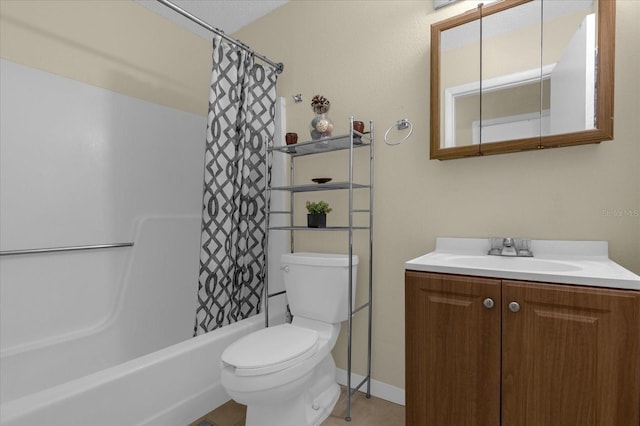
x=173, y=386
x=139, y=366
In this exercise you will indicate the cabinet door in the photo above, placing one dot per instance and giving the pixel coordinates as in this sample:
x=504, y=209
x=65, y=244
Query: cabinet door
x=452, y=350
x=570, y=356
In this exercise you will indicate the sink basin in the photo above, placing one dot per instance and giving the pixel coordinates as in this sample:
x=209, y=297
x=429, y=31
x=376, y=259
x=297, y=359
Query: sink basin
x=563, y=262
x=513, y=263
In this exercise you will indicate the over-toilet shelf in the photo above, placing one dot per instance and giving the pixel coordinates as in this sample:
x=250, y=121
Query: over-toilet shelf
x=305, y=228
x=319, y=187
x=334, y=143
x=347, y=142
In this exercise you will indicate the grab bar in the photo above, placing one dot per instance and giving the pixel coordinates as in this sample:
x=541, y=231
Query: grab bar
x=56, y=249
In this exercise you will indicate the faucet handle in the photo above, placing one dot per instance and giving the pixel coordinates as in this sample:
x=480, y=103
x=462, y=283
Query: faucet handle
x=495, y=246
x=507, y=242
x=523, y=246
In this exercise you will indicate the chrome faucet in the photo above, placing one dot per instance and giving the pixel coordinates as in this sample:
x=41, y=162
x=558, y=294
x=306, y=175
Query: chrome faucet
x=510, y=247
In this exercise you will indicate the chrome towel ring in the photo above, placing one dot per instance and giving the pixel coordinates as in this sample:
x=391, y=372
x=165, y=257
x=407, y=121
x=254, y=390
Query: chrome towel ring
x=402, y=124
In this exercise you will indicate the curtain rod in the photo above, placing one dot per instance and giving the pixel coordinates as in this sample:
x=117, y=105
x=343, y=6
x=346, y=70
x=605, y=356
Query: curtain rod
x=279, y=66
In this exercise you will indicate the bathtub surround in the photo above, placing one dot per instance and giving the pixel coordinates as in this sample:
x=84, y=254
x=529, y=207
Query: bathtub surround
x=111, y=339
x=82, y=165
x=240, y=126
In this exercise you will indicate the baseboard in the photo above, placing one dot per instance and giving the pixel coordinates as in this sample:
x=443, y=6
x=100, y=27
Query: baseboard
x=378, y=389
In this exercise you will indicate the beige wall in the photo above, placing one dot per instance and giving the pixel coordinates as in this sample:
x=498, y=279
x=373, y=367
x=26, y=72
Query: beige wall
x=117, y=45
x=371, y=59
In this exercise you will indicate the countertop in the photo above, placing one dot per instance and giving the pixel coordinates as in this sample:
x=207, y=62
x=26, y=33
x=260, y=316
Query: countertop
x=565, y=262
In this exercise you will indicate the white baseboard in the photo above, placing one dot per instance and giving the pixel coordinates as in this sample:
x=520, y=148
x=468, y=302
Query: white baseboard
x=378, y=389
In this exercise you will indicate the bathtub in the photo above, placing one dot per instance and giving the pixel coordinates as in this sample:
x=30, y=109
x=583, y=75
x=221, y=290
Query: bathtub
x=173, y=386
x=140, y=365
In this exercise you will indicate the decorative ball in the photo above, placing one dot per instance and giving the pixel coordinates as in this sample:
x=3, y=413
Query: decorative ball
x=322, y=125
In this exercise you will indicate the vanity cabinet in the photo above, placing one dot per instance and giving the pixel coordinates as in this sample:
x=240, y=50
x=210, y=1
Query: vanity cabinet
x=484, y=351
x=452, y=350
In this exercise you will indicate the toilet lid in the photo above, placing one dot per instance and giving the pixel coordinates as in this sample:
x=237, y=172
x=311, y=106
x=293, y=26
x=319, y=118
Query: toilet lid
x=271, y=349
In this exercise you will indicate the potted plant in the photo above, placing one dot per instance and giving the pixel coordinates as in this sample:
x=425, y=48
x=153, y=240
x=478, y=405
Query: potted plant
x=317, y=217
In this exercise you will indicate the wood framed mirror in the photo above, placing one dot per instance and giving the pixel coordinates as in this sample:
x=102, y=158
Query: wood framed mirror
x=520, y=75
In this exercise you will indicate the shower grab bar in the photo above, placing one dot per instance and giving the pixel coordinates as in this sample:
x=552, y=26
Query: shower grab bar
x=57, y=249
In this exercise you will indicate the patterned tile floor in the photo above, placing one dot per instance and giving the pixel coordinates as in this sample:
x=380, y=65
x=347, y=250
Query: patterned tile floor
x=364, y=412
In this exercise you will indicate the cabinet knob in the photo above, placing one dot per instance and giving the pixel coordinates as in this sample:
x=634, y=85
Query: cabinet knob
x=488, y=303
x=514, y=306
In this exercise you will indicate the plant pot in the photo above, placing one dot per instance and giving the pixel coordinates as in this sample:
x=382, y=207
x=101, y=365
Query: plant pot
x=317, y=220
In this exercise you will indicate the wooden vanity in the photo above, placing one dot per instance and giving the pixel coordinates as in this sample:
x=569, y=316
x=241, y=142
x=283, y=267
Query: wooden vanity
x=493, y=351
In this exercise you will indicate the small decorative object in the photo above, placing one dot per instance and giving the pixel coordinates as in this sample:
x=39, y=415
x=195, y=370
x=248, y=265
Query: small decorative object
x=358, y=126
x=321, y=180
x=321, y=126
x=291, y=138
x=317, y=217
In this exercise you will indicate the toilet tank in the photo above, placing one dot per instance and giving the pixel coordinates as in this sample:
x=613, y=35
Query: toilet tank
x=317, y=285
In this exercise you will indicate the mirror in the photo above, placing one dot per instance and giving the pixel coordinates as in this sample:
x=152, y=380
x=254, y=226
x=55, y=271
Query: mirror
x=510, y=79
x=463, y=105
x=521, y=74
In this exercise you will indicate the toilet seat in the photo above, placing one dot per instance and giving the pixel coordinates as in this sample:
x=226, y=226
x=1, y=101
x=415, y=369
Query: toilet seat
x=271, y=349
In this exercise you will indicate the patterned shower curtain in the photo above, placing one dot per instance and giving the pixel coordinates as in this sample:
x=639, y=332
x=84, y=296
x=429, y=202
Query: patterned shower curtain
x=240, y=123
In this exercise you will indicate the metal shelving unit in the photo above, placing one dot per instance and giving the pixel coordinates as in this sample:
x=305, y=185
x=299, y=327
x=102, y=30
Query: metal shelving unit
x=349, y=142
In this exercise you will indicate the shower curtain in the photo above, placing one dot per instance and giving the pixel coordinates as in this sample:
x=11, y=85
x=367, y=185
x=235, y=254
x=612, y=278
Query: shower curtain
x=240, y=123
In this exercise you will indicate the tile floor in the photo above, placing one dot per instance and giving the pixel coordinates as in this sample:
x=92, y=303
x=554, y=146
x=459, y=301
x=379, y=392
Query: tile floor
x=364, y=412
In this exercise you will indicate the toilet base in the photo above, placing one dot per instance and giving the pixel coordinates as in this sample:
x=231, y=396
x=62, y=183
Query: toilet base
x=298, y=411
x=308, y=408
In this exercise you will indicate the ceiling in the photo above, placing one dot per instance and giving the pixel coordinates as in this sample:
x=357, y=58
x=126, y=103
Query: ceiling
x=226, y=15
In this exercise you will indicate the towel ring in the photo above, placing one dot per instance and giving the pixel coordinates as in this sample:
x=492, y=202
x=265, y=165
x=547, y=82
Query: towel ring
x=400, y=125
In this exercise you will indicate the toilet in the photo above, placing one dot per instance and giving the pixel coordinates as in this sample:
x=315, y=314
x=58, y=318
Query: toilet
x=285, y=374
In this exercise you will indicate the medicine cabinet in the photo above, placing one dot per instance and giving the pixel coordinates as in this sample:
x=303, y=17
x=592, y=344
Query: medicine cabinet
x=522, y=74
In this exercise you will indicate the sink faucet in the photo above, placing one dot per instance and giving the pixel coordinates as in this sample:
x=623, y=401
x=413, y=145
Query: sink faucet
x=510, y=247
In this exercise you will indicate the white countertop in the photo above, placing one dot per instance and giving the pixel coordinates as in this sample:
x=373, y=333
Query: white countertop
x=566, y=262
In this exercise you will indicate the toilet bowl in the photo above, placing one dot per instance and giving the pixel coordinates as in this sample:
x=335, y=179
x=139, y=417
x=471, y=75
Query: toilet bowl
x=285, y=374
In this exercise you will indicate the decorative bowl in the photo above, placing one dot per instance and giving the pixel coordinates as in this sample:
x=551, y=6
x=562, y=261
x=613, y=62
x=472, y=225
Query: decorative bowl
x=321, y=180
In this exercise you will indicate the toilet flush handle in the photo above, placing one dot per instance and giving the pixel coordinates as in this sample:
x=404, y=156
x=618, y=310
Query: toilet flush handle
x=284, y=268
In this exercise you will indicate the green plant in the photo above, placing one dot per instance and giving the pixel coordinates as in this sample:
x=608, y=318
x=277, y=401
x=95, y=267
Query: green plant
x=321, y=207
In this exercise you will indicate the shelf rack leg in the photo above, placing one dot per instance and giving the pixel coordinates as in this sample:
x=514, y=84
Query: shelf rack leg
x=291, y=179
x=350, y=304
x=370, y=335
x=267, y=213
